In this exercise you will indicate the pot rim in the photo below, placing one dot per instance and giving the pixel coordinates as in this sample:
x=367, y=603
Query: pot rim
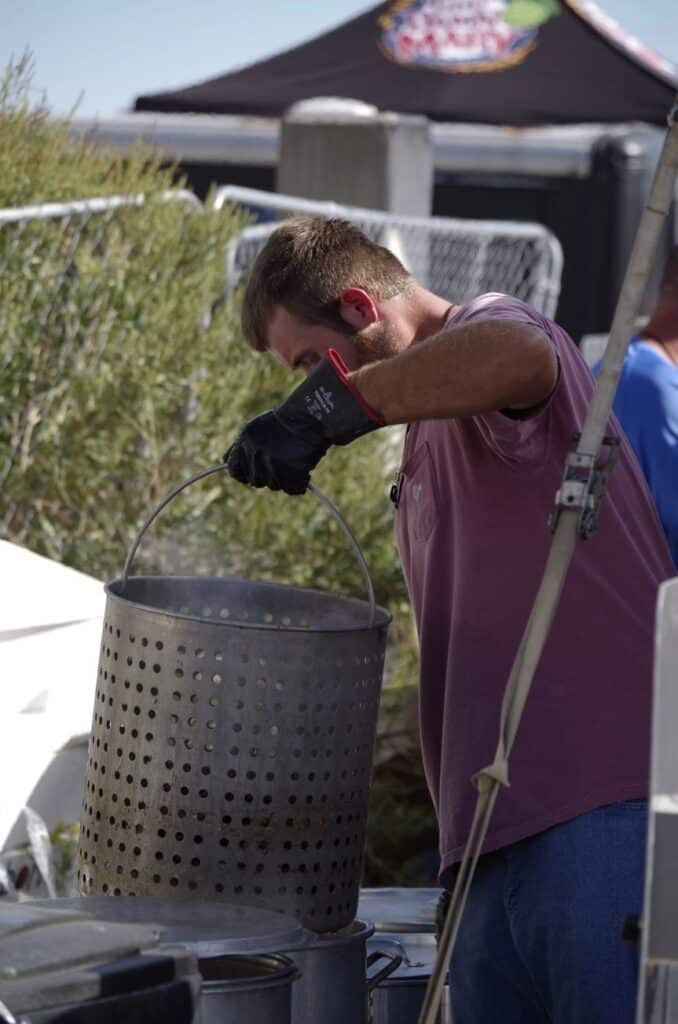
x=382, y=616
x=357, y=931
x=277, y=970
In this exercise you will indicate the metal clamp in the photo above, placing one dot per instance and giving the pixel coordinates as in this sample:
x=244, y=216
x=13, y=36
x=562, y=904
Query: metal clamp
x=583, y=485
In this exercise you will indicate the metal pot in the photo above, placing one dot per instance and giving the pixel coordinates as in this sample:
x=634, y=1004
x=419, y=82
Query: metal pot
x=239, y=980
x=252, y=988
x=398, y=998
x=334, y=984
x=405, y=926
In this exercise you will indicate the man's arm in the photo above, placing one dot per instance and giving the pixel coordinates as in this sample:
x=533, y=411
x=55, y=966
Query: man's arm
x=463, y=371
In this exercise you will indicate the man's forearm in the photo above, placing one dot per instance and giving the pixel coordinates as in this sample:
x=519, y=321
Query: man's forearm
x=465, y=371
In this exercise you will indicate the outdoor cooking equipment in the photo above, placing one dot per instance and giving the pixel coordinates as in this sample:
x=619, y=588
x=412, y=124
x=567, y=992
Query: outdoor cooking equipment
x=59, y=965
x=232, y=741
x=404, y=921
x=256, y=989
x=398, y=998
x=209, y=928
x=336, y=972
x=399, y=909
x=336, y=976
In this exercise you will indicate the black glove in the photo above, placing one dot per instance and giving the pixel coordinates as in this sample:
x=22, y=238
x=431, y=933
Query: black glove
x=280, y=448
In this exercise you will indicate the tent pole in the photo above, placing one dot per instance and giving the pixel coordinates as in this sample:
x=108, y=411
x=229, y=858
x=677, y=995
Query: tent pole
x=567, y=530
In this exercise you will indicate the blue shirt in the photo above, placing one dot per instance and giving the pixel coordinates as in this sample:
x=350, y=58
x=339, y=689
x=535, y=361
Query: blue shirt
x=646, y=405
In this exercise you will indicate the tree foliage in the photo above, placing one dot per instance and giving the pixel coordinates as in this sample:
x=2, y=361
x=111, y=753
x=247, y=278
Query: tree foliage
x=123, y=371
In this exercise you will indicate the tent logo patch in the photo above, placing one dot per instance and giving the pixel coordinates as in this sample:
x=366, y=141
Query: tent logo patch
x=463, y=35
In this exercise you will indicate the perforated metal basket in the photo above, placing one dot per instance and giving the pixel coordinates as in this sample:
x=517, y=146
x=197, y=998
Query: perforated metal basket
x=232, y=741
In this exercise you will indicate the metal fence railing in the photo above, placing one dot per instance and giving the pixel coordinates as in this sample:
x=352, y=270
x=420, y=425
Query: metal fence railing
x=452, y=257
x=70, y=288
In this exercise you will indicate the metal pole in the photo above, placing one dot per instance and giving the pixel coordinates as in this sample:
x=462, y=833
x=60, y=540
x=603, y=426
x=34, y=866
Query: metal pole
x=562, y=548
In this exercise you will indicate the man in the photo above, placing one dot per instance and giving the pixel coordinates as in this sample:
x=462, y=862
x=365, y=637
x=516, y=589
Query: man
x=492, y=392
x=646, y=402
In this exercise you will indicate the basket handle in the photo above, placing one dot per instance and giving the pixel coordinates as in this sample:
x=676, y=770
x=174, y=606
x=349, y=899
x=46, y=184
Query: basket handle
x=311, y=487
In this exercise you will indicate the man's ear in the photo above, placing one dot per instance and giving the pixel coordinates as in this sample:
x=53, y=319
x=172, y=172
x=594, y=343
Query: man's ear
x=358, y=308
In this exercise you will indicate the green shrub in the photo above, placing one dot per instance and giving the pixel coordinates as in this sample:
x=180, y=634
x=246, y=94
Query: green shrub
x=121, y=375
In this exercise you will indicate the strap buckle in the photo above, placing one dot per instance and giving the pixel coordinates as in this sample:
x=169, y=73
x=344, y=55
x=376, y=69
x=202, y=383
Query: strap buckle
x=583, y=485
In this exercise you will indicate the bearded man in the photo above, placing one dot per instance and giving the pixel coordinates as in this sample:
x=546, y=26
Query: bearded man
x=492, y=393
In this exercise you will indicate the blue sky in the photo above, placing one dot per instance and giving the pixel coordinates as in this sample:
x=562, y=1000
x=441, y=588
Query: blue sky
x=109, y=53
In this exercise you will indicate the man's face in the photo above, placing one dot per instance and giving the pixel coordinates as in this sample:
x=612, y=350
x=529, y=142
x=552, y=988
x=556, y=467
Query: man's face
x=301, y=346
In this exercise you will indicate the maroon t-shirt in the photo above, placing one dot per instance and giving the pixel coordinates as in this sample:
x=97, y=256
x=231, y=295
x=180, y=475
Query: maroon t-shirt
x=473, y=538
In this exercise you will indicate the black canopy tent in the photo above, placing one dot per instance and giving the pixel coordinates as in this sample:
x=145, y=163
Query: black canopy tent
x=509, y=63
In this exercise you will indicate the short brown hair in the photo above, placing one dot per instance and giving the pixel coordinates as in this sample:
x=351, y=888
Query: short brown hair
x=305, y=266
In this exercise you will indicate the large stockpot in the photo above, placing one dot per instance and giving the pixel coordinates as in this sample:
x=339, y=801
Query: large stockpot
x=399, y=997
x=232, y=740
x=404, y=920
x=335, y=981
x=336, y=972
x=252, y=989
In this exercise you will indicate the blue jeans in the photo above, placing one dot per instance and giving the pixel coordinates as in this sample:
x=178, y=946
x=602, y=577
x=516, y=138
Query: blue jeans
x=540, y=939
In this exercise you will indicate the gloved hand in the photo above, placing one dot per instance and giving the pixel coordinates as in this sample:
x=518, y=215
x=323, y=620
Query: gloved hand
x=279, y=448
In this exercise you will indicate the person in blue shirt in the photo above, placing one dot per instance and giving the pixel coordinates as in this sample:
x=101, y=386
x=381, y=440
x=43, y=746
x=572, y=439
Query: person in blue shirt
x=646, y=403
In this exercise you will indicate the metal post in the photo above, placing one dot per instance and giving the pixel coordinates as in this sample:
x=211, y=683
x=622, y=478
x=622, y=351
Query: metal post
x=358, y=156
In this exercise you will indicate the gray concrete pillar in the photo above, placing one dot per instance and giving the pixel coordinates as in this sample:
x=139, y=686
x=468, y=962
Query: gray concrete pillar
x=353, y=154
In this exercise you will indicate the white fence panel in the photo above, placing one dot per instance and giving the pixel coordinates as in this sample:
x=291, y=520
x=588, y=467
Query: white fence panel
x=455, y=258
